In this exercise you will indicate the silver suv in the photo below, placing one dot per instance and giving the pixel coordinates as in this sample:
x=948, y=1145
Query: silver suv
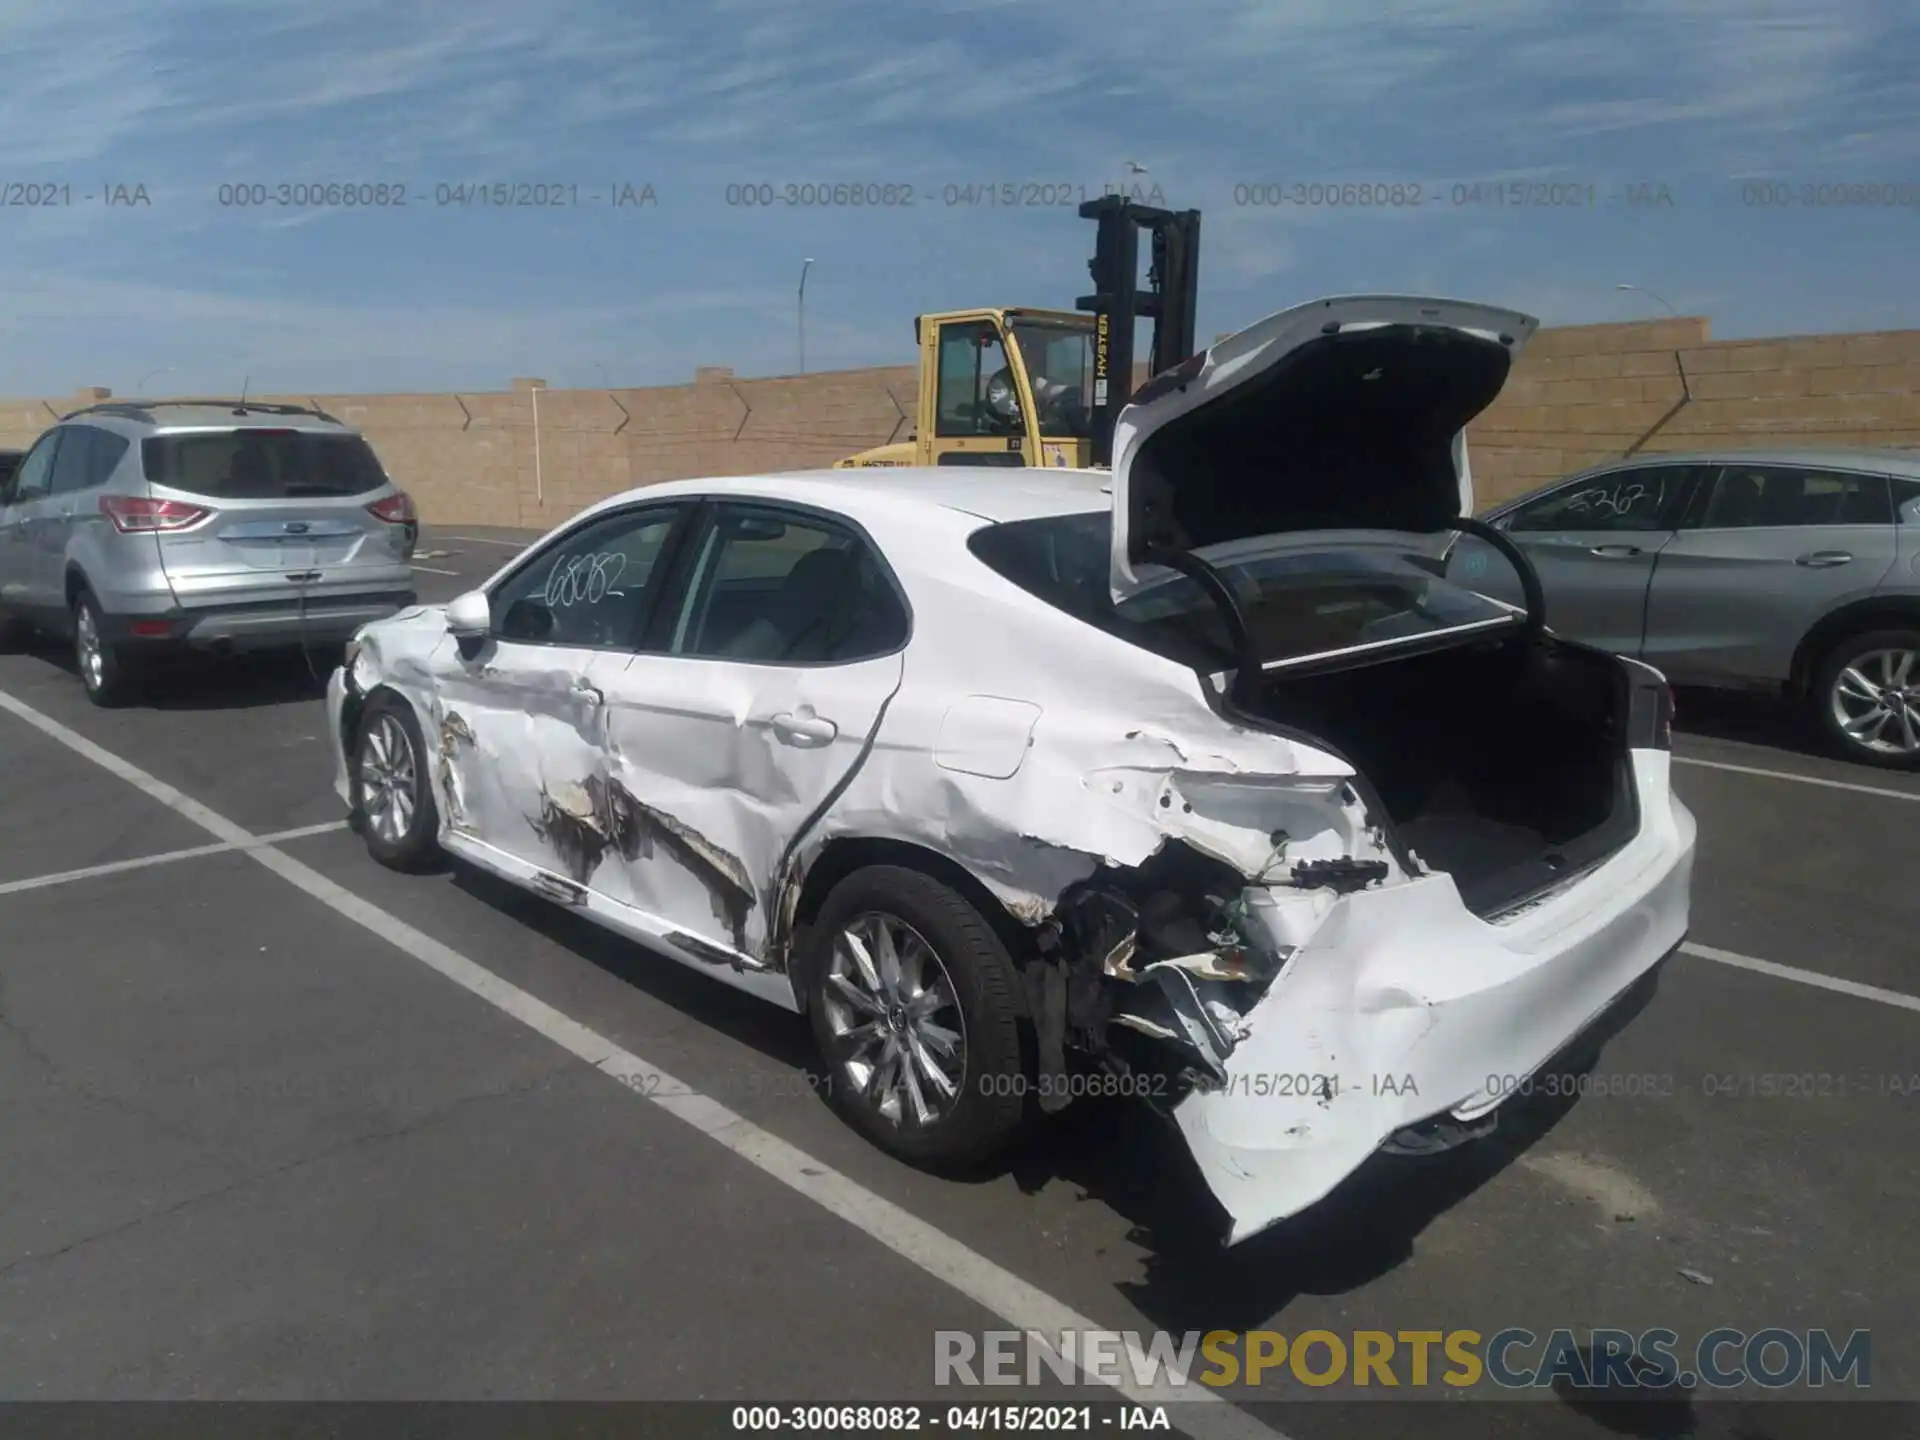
x=220, y=525
x=1795, y=570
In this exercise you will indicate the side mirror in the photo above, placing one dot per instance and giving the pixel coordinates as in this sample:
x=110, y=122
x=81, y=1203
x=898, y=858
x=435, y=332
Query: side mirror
x=470, y=615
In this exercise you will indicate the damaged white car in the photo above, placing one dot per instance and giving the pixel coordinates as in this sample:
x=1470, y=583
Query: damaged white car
x=1194, y=780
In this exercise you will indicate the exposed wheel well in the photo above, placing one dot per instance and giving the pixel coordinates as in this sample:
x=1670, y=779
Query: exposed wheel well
x=1877, y=613
x=840, y=858
x=76, y=582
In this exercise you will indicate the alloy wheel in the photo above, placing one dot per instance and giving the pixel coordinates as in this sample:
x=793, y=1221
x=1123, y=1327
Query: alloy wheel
x=891, y=1008
x=1876, y=702
x=87, y=651
x=388, y=775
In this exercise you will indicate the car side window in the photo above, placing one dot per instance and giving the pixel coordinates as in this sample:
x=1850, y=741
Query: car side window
x=1635, y=499
x=36, y=471
x=1906, y=500
x=591, y=588
x=971, y=354
x=772, y=587
x=103, y=456
x=1753, y=496
x=87, y=456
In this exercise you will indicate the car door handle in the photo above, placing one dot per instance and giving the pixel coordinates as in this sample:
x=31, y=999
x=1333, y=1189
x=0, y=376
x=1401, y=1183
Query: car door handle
x=1824, y=559
x=795, y=728
x=589, y=693
x=1614, y=552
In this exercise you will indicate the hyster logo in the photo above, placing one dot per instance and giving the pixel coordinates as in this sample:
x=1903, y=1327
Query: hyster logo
x=1100, y=343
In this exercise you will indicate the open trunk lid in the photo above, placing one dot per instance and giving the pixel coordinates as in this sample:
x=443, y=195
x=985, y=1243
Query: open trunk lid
x=1344, y=414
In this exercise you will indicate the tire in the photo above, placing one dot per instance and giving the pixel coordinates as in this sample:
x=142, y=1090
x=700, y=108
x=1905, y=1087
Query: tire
x=1872, y=660
x=104, y=668
x=396, y=817
x=957, y=955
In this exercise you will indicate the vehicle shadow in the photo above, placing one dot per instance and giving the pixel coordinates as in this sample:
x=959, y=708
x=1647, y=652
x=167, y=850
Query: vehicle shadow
x=1749, y=717
x=1136, y=1164
x=207, y=682
x=1123, y=1156
x=780, y=1035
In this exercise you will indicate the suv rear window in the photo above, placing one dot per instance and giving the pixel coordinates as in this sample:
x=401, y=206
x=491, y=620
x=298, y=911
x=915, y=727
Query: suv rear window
x=256, y=464
x=1298, y=602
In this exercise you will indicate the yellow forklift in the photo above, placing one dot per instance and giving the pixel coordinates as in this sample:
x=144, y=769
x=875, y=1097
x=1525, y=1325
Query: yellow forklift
x=1018, y=386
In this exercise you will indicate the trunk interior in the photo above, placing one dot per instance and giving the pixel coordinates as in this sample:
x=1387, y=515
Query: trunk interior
x=1504, y=763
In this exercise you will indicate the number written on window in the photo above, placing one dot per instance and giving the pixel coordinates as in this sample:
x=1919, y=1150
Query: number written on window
x=585, y=579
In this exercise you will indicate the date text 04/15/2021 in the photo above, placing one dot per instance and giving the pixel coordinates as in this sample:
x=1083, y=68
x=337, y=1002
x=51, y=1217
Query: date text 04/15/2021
x=951, y=1419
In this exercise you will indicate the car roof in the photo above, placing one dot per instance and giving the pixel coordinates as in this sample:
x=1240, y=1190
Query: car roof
x=1834, y=457
x=991, y=494
x=203, y=414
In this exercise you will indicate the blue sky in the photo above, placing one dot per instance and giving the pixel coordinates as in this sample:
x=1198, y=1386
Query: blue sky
x=1704, y=97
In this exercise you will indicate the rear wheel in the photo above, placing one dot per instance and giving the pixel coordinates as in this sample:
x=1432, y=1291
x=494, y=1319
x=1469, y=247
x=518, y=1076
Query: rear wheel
x=1866, y=698
x=391, y=798
x=103, y=666
x=915, y=1007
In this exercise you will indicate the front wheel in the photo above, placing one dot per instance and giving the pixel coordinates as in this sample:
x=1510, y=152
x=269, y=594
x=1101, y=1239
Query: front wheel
x=915, y=1006
x=1867, y=699
x=391, y=798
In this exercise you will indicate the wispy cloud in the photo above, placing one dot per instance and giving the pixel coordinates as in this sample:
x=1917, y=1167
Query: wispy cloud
x=186, y=94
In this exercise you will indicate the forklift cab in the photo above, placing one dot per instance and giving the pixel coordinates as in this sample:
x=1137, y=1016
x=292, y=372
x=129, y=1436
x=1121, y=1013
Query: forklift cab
x=1014, y=387
x=1011, y=388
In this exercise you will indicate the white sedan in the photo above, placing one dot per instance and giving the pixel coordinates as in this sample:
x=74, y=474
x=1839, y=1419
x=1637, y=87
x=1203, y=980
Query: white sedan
x=1195, y=780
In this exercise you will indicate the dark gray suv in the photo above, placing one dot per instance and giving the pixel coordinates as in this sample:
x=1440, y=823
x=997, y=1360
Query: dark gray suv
x=221, y=525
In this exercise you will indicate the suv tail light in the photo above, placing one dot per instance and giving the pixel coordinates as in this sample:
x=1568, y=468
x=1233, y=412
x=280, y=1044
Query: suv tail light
x=134, y=514
x=396, y=509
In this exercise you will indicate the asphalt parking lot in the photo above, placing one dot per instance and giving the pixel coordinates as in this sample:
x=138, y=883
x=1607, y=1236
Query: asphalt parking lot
x=276, y=1123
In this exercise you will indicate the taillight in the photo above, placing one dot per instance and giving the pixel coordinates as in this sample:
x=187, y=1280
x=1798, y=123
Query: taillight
x=396, y=509
x=133, y=514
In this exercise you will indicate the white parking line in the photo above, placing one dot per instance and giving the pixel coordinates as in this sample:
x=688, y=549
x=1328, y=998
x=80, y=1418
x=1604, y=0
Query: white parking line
x=167, y=857
x=433, y=570
x=484, y=540
x=1022, y=1305
x=1803, y=977
x=1880, y=790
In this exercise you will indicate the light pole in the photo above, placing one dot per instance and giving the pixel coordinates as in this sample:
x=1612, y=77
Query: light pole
x=805, y=265
x=1644, y=291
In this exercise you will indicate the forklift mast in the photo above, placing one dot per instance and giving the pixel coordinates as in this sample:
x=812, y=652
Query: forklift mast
x=1117, y=302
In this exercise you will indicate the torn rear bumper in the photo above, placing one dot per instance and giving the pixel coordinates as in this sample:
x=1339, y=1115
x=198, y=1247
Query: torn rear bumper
x=1405, y=1019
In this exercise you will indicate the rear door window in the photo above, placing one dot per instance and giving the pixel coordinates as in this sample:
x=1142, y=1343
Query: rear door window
x=259, y=464
x=1906, y=500
x=773, y=587
x=1746, y=497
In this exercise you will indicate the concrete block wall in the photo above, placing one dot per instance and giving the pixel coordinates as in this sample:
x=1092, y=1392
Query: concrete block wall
x=1580, y=395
